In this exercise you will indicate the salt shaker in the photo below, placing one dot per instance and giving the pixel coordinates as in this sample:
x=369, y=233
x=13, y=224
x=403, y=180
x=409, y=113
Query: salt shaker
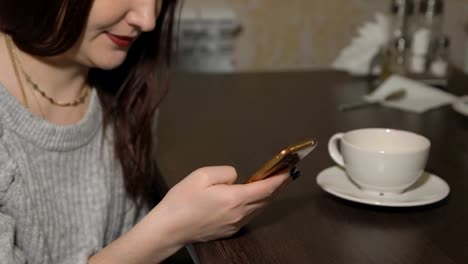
x=401, y=12
x=440, y=57
x=427, y=28
x=395, y=52
x=398, y=55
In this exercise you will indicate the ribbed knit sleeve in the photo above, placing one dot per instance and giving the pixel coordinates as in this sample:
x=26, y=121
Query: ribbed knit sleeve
x=80, y=257
x=11, y=193
x=9, y=253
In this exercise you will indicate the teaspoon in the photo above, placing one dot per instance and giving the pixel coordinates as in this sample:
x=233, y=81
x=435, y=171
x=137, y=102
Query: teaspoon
x=391, y=97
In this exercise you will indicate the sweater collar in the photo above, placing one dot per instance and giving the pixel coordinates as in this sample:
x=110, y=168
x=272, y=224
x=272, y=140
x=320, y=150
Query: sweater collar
x=45, y=134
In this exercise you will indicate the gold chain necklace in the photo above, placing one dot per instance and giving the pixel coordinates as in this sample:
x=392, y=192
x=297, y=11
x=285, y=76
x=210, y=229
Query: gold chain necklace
x=84, y=91
x=9, y=44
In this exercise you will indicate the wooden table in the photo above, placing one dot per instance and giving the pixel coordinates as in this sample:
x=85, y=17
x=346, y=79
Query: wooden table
x=243, y=119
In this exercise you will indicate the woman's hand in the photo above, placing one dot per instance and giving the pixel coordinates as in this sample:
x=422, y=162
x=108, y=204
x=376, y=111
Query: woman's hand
x=207, y=205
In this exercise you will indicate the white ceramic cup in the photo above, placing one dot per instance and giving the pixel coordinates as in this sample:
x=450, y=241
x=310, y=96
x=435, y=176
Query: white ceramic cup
x=380, y=160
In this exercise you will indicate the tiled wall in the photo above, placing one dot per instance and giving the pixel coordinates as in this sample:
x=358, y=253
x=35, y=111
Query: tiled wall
x=298, y=34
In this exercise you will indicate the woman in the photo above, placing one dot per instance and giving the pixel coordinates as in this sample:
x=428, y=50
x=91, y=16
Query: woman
x=79, y=83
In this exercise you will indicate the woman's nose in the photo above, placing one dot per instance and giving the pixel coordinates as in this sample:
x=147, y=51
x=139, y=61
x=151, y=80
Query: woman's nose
x=143, y=15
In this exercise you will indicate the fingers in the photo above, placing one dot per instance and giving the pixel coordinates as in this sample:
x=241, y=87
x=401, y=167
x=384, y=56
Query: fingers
x=216, y=175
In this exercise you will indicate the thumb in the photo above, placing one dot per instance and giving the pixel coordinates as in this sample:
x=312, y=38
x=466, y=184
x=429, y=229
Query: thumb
x=218, y=175
x=265, y=188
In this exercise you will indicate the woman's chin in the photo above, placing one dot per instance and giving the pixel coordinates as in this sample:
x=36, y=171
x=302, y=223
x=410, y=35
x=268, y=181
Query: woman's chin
x=108, y=65
x=110, y=62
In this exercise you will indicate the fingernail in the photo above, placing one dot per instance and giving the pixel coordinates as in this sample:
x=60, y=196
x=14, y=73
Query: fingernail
x=296, y=175
x=292, y=170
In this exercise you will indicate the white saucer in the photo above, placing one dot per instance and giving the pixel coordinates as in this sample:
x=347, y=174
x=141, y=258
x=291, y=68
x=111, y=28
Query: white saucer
x=461, y=105
x=428, y=189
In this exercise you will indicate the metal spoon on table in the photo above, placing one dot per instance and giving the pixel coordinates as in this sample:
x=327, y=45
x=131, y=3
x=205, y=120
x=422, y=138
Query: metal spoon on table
x=391, y=97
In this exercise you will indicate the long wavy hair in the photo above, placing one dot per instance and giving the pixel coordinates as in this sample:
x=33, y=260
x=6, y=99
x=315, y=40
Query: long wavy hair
x=130, y=94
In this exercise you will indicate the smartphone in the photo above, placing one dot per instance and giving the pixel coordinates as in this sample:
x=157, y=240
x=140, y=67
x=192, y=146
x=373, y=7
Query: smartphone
x=285, y=159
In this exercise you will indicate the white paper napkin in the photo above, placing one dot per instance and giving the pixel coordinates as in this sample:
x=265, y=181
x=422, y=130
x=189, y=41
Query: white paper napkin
x=419, y=96
x=357, y=56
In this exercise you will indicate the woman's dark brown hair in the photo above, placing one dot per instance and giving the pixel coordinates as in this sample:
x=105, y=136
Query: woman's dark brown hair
x=130, y=94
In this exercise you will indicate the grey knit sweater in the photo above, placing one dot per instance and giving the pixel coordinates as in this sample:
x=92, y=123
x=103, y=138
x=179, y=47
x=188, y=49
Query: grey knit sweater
x=61, y=189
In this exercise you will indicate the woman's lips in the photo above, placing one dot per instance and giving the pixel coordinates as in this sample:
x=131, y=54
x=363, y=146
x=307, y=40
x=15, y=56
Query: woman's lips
x=121, y=41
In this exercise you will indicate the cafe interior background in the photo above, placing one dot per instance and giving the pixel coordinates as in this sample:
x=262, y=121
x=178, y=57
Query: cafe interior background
x=226, y=36
x=271, y=35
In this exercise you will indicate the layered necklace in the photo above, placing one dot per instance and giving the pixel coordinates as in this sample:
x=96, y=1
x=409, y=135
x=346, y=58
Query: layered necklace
x=18, y=66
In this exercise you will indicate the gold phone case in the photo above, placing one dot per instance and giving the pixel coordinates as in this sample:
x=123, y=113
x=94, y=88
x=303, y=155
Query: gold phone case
x=285, y=159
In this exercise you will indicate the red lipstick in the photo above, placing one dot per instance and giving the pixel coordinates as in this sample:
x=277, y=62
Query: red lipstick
x=120, y=41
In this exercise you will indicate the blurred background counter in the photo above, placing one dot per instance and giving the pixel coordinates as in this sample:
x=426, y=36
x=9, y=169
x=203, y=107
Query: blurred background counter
x=265, y=35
